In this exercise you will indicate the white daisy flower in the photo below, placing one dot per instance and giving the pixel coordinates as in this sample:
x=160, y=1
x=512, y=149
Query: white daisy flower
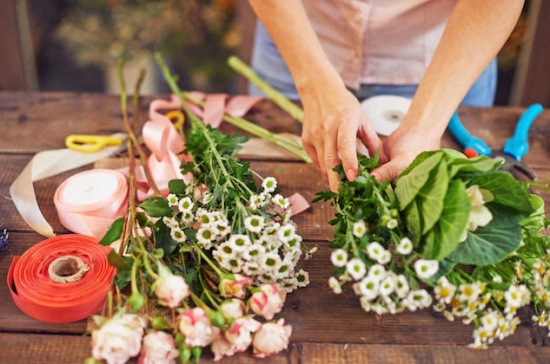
x=339, y=257
x=302, y=278
x=271, y=261
x=281, y=201
x=385, y=257
x=388, y=285
x=269, y=184
x=444, y=291
x=425, y=268
x=405, y=246
x=206, y=198
x=334, y=284
x=377, y=272
x=356, y=268
x=402, y=286
x=286, y=232
x=172, y=199
x=178, y=235
x=185, y=205
x=171, y=222
x=204, y=236
x=392, y=224
x=369, y=288
x=375, y=250
x=254, y=223
x=359, y=228
x=239, y=242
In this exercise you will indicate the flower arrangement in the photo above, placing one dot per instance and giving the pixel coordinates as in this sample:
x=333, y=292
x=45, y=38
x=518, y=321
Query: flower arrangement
x=451, y=233
x=206, y=266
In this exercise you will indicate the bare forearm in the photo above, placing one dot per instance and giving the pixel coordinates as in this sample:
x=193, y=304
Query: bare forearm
x=475, y=32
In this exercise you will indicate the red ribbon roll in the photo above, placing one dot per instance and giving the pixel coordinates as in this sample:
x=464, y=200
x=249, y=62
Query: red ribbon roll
x=88, y=202
x=37, y=295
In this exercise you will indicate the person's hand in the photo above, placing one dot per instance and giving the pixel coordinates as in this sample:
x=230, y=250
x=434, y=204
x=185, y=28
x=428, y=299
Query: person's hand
x=333, y=120
x=401, y=147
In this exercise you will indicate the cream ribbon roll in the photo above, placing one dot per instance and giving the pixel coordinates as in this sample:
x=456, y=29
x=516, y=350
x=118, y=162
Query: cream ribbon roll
x=87, y=203
x=386, y=112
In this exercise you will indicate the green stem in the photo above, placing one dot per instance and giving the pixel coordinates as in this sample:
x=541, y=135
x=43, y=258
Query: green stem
x=282, y=101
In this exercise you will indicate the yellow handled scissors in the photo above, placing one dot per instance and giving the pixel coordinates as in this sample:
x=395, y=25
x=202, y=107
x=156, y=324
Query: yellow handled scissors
x=91, y=143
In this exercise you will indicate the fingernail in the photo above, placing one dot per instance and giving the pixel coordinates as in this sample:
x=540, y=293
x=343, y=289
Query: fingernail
x=350, y=174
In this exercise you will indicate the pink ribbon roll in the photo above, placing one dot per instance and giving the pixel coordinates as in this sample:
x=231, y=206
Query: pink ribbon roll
x=88, y=202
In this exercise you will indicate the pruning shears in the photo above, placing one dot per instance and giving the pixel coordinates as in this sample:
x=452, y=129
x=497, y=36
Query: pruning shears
x=514, y=148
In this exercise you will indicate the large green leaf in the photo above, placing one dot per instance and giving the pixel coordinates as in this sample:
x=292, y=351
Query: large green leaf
x=461, y=167
x=432, y=195
x=407, y=186
x=156, y=207
x=413, y=223
x=506, y=190
x=492, y=243
x=442, y=240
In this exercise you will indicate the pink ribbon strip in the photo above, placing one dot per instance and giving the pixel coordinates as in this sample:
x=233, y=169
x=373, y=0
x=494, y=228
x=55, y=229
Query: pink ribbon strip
x=87, y=203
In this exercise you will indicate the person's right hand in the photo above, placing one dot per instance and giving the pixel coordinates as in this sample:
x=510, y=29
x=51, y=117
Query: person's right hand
x=333, y=120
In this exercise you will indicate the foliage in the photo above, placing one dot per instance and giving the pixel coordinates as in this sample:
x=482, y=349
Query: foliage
x=450, y=232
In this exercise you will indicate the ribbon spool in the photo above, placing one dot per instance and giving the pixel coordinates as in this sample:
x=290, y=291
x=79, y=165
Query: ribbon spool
x=78, y=260
x=386, y=112
x=88, y=202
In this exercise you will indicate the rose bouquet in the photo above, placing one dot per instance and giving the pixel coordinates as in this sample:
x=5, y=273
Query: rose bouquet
x=451, y=233
x=207, y=265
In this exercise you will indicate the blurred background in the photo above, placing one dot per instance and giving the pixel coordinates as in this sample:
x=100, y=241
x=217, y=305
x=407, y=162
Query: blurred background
x=69, y=45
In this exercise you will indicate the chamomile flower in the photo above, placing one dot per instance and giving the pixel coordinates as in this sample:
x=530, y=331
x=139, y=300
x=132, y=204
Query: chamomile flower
x=171, y=222
x=404, y=246
x=359, y=228
x=369, y=288
x=254, y=223
x=286, y=233
x=185, y=205
x=339, y=257
x=426, y=268
x=444, y=291
x=392, y=224
x=178, y=235
x=281, y=201
x=302, y=278
x=375, y=250
x=402, y=286
x=204, y=237
x=257, y=201
x=377, y=272
x=269, y=184
x=334, y=284
x=172, y=199
x=388, y=284
x=239, y=242
x=356, y=268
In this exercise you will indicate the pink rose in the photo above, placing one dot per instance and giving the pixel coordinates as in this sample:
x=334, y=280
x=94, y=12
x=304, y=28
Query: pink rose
x=235, y=287
x=222, y=347
x=233, y=307
x=268, y=301
x=240, y=333
x=158, y=348
x=170, y=290
x=195, y=325
x=271, y=338
x=118, y=340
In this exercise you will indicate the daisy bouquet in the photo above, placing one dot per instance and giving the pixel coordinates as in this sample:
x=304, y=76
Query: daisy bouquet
x=207, y=265
x=450, y=233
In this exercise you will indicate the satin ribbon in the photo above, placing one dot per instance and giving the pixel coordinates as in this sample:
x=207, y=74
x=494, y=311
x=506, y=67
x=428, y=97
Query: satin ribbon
x=88, y=202
x=43, y=165
x=38, y=296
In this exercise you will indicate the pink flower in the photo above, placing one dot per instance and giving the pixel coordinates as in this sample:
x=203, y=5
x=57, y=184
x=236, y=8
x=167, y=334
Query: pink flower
x=170, y=290
x=119, y=339
x=235, y=288
x=195, y=325
x=271, y=338
x=268, y=301
x=233, y=307
x=158, y=348
x=240, y=333
x=222, y=347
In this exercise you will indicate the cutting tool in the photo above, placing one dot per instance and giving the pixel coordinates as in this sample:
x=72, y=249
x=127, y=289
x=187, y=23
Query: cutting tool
x=91, y=143
x=514, y=148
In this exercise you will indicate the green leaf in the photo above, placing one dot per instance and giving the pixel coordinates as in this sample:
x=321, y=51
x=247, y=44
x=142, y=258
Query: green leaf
x=535, y=221
x=492, y=243
x=116, y=260
x=413, y=222
x=409, y=185
x=114, y=232
x=156, y=207
x=443, y=239
x=164, y=241
x=177, y=186
x=431, y=196
x=463, y=167
x=506, y=191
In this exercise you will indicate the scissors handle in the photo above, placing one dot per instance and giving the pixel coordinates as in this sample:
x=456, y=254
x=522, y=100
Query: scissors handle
x=472, y=146
x=517, y=145
x=90, y=143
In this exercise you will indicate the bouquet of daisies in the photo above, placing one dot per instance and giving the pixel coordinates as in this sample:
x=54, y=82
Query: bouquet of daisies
x=207, y=265
x=451, y=233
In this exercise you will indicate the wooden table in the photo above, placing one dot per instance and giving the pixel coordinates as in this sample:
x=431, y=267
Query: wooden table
x=327, y=328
